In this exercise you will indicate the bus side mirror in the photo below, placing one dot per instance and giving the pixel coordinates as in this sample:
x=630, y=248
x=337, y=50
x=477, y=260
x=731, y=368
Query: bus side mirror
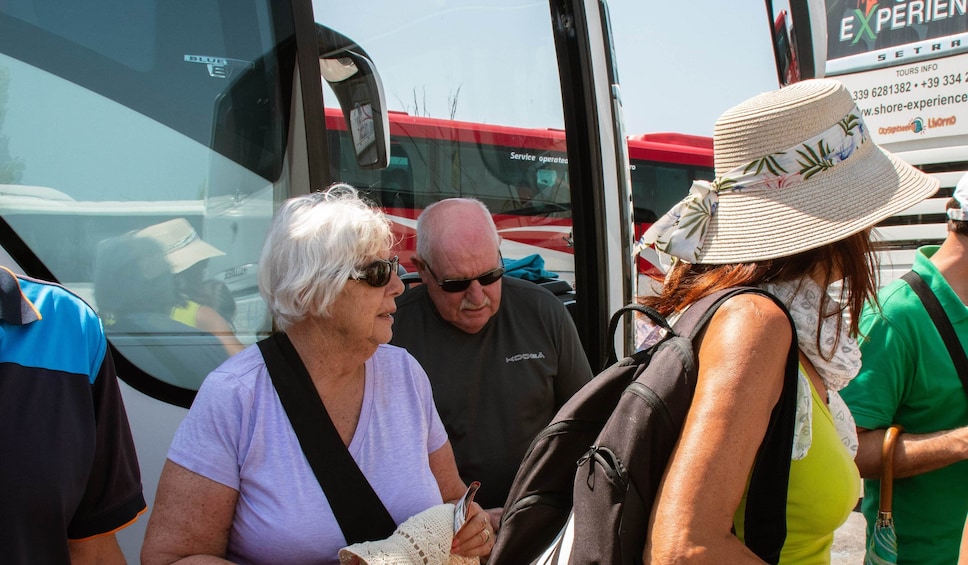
x=798, y=31
x=353, y=77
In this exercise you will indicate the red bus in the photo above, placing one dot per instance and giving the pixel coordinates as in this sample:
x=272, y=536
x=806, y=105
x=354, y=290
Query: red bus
x=663, y=166
x=521, y=175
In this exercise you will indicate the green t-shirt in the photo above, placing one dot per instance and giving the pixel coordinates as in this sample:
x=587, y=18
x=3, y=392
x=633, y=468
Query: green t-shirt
x=908, y=378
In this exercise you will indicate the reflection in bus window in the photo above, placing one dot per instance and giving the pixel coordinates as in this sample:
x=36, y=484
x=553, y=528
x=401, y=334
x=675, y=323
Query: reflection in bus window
x=137, y=295
x=434, y=159
x=519, y=173
x=158, y=135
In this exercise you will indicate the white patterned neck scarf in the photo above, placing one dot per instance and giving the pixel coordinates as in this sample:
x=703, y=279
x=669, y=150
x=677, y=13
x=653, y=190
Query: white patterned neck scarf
x=681, y=231
x=803, y=298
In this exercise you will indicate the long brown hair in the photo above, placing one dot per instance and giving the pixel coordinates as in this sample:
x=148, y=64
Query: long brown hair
x=853, y=258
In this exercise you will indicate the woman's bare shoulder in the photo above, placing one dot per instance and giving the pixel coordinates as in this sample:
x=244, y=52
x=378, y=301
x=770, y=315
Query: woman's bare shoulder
x=749, y=332
x=751, y=314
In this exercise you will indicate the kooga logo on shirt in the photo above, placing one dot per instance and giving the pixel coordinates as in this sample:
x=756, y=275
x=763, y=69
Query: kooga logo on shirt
x=524, y=357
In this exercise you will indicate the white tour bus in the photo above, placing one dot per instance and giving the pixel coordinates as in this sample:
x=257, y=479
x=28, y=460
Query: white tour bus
x=117, y=116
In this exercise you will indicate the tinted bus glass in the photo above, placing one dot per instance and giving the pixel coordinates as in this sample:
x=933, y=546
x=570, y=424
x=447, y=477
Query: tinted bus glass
x=488, y=127
x=123, y=118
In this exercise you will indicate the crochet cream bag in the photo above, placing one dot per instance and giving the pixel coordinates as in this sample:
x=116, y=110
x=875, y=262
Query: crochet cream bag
x=423, y=539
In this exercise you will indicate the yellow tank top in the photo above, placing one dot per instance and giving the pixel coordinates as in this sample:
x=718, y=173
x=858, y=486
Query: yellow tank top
x=824, y=487
x=186, y=313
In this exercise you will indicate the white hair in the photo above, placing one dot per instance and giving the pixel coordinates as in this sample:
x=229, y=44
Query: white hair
x=314, y=244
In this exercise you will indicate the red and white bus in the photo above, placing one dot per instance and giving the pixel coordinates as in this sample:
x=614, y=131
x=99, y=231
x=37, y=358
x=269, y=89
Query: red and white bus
x=521, y=175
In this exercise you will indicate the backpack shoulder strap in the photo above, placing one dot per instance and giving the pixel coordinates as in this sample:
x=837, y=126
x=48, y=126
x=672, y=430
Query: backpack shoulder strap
x=358, y=510
x=766, y=500
x=942, y=322
x=695, y=318
x=651, y=313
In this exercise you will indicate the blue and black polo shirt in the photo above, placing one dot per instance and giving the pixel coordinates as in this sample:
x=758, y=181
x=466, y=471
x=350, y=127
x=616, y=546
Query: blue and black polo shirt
x=68, y=468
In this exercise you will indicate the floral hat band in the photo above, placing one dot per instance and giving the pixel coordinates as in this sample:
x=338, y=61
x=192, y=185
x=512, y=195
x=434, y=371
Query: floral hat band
x=682, y=230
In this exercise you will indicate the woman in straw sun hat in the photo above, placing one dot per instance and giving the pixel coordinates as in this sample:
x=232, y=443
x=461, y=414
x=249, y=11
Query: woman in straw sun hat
x=204, y=304
x=799, y=185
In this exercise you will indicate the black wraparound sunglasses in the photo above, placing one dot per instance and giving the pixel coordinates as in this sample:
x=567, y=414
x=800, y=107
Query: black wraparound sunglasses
x=379, y=272
x=460, y=285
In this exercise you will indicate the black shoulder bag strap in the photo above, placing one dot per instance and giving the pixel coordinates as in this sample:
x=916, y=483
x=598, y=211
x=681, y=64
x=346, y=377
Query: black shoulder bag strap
x=941, y=321
x=358, y=510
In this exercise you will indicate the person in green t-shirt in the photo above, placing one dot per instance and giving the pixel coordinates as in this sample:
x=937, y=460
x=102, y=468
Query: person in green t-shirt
x=908, y=378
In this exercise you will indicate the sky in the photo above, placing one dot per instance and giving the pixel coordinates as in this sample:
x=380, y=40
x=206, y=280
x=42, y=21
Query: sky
x=682, y=64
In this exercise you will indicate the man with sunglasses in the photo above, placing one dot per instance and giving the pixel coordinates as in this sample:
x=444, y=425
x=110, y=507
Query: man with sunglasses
x=502, y=354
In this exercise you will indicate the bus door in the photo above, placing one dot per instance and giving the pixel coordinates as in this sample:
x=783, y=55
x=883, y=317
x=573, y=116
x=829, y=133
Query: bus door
x=484, y=102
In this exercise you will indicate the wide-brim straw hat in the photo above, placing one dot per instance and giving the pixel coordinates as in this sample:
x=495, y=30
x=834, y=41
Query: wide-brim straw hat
x=183, y=247
x=762, y=223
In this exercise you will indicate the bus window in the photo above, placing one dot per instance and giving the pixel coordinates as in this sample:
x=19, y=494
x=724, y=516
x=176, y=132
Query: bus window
x=490, y=127
x=663, y=166
x=659, y=185
x=100, y=159
x=396, y=189
x=121, y=120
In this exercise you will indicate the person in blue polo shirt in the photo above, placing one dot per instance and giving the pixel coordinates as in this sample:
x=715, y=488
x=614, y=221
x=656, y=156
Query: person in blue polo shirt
x=69, y=477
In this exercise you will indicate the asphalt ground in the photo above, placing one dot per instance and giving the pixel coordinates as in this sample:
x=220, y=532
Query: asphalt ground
x=849, y=541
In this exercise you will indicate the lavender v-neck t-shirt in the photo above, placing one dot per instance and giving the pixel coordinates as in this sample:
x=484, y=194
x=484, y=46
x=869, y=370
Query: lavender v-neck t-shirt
x=237, y=434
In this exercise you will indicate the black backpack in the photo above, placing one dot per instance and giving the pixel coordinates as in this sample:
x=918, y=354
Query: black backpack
x=603, y=455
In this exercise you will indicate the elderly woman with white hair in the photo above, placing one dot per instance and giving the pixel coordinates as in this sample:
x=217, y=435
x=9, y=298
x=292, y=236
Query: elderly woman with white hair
x=236, y=486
